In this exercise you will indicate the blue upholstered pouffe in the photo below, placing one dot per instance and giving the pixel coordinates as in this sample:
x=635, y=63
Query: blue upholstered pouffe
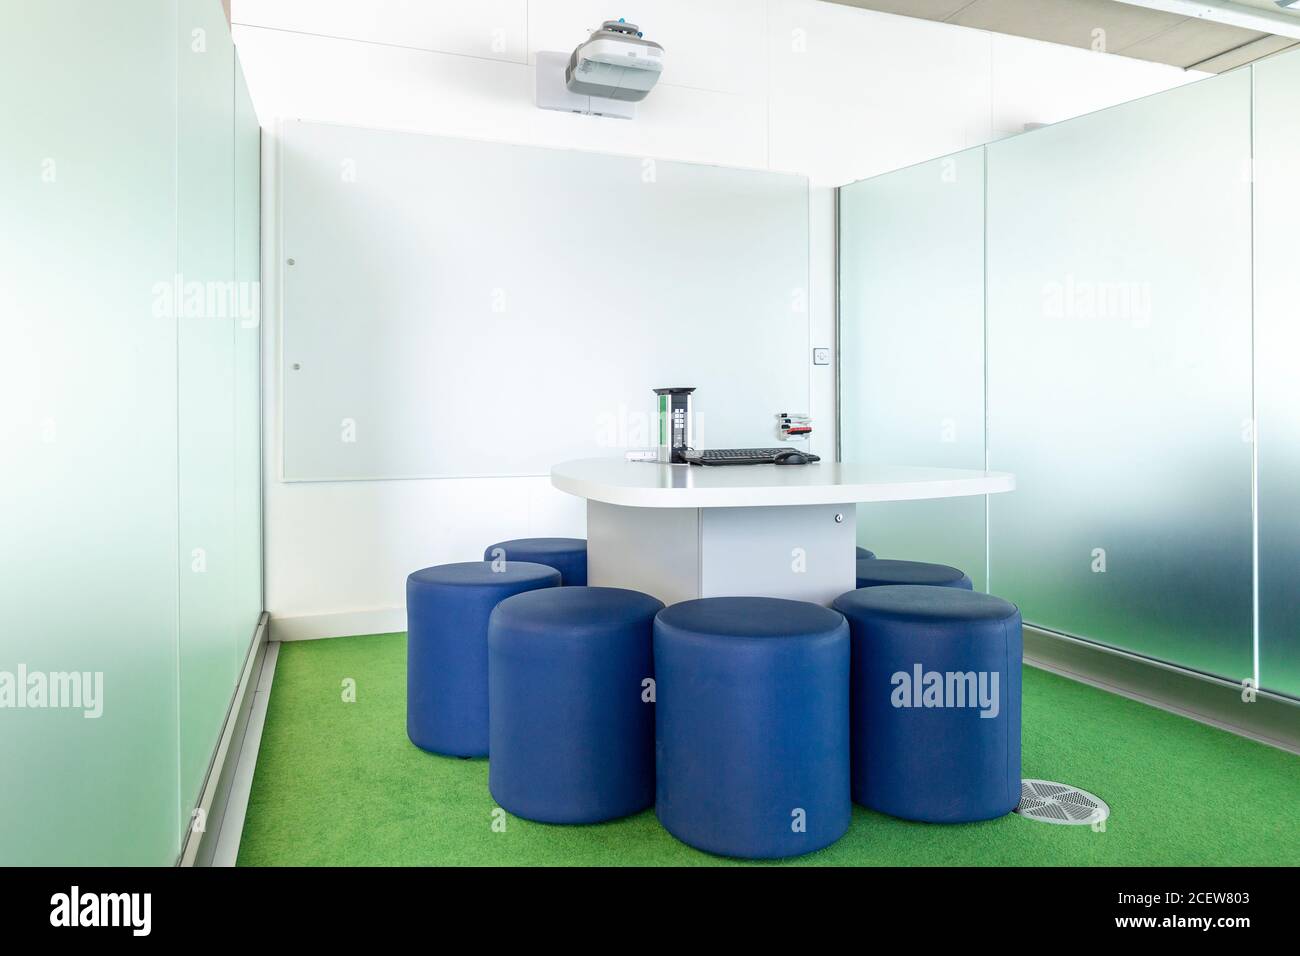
x=876, y=572
x=571, y=712
x=447, y=610
x=936, y=702
x=865, y=555
x=752, y=725
x=566, y=555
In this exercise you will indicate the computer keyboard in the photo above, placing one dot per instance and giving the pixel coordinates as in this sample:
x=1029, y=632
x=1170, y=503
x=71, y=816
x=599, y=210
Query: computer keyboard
x=741, y=456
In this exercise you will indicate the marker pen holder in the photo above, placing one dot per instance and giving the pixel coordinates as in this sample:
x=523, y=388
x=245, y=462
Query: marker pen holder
x=676, y=424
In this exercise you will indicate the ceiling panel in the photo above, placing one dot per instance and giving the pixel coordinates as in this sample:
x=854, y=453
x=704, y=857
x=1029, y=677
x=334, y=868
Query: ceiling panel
x=1070, y=22
x=921, y=9
x=1128, y=30
x=1189, y=43
x=1252, y=51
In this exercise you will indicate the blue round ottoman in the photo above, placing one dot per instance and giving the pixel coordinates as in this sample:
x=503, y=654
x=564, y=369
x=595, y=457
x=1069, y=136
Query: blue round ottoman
x=865, y=555
x=751, y=725
x=570, y=704
x=936, y=702
x=876, y=572
x=566, y=555
x=447, y=610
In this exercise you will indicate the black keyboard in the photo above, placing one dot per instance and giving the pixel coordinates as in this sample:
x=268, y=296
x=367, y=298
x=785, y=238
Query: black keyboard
x=742, y=456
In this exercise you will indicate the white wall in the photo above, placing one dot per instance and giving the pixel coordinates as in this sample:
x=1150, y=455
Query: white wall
x=832, y=92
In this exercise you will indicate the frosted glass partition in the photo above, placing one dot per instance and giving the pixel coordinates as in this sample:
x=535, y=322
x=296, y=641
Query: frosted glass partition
x=130, y=555
x=1277, y=369
x=1130, y=348
x=1119, y=375
x=912, y=348
x=457, y=307
x=248, y=368
x=88, y=480
x=206, y=244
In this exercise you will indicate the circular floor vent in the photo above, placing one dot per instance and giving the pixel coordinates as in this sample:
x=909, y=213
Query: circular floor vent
x=1051, y=802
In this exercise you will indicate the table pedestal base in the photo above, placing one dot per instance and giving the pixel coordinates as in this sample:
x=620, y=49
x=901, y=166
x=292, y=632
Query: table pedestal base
x=804, y=552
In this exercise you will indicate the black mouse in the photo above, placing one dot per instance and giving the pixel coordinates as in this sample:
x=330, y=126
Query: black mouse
x=791, y=457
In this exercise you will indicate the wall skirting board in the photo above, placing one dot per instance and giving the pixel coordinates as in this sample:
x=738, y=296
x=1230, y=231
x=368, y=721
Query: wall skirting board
x=308, y=627
x=1270, y=719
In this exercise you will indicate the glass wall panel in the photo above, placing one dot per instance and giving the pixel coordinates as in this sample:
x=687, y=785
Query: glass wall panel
x=1119, y=375
x=88, y=436
x=1277, y=368
x=206, y=328
x=911, y=345
x=248, y=370
x=130, y=563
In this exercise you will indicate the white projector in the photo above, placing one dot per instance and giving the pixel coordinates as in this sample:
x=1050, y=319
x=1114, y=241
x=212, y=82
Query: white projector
x=616, y=63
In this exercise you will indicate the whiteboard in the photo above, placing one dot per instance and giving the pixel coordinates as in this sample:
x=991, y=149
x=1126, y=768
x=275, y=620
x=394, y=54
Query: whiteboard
x=459, y=308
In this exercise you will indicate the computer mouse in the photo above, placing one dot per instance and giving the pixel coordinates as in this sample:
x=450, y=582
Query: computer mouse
x=790, y=457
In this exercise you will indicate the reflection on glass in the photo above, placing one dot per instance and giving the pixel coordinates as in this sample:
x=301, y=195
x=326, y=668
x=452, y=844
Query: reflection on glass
x=912, y=348
x=1119, y=375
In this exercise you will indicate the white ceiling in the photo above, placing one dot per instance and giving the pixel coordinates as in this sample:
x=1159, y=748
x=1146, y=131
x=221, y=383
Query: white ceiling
x=1136, y=31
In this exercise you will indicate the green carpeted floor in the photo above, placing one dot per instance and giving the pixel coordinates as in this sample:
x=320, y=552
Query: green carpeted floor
x=339, y=784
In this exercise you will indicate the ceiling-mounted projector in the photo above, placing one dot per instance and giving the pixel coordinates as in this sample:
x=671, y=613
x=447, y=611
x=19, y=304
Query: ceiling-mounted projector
x=616, y=63
x=606, y=75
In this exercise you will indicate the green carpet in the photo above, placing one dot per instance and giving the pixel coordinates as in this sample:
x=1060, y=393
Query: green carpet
x=339, y=784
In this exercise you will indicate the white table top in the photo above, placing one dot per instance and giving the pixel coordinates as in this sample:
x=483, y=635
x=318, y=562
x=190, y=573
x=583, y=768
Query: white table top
x=644, y=484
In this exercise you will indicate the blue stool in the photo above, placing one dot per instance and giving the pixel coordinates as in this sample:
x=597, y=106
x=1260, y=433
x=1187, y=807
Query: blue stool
x=876, y=572
x=865, y=555
x=751, y=725
x=447, y=610
x=936, y=702
x=571, y=711
x=566, y=555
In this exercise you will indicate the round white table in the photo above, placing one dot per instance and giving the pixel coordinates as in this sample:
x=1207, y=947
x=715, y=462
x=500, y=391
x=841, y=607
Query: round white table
x=686, y=531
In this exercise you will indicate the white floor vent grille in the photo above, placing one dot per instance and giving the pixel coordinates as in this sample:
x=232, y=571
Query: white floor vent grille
x=1050, y=802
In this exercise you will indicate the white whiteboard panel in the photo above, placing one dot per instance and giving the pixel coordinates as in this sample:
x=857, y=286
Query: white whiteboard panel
x=458, y=308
